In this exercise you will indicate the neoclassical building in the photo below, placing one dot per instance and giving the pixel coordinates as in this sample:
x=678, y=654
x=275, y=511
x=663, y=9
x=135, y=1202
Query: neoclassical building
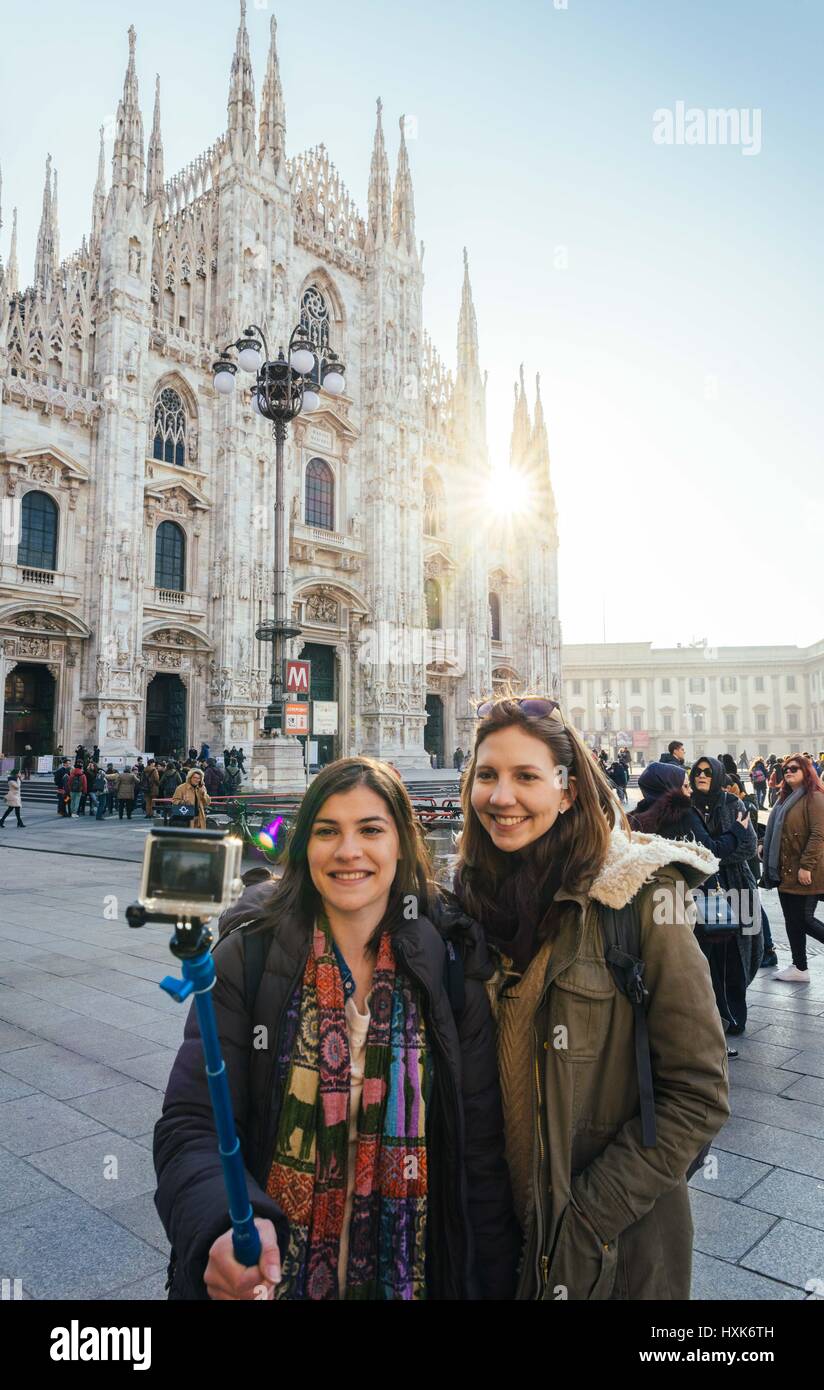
x=753, y=700
x=137, y=543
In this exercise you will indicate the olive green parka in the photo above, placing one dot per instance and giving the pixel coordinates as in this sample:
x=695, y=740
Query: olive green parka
x=610, y=1218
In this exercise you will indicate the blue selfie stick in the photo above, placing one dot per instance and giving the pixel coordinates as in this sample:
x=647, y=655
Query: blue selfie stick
x=198, y=971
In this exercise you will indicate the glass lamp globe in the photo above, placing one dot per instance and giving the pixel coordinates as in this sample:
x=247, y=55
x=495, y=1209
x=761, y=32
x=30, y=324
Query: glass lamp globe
x=256, y=403
x=249, y=358
x=302, y=361
x=311, y=401
x=225, y=379
x=334, y=383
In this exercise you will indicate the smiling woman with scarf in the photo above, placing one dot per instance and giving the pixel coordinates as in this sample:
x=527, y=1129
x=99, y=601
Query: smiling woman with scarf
x=733, y=963
x=546, y=859
x=793, y=859
x=362, y=1072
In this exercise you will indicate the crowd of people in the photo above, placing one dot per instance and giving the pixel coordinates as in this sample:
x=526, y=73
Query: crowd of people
x=85, y=787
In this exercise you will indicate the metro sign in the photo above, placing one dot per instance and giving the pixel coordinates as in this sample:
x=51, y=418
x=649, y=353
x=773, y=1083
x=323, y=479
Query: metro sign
x=297, y=678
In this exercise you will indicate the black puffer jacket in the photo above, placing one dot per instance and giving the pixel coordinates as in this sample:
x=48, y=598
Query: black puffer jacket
x=472, y=1238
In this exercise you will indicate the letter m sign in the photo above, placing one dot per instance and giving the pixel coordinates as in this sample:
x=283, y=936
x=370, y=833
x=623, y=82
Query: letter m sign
x=297, y=678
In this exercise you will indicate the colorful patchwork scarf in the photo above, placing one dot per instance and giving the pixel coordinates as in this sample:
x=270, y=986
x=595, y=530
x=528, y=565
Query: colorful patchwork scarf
x=308, y=1177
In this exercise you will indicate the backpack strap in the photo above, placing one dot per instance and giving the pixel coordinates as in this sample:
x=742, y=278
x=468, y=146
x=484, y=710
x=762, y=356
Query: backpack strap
x=621, y=930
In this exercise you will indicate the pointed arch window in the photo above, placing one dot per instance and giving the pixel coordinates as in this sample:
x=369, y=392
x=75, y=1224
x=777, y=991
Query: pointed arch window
x=495, y=616
x=314, y=320
x=170, y=557
x=320, y=495
x=432, y=596
x=169, y=442
x=38, y=532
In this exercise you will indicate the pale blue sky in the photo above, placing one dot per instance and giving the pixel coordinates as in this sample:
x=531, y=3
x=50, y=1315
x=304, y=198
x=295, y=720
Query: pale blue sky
x=678, y=349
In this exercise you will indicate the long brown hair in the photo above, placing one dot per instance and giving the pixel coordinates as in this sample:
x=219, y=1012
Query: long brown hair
x=295, y=896
x=573, y=850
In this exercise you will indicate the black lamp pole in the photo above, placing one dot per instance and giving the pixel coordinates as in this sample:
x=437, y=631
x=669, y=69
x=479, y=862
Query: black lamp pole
x=279, y=394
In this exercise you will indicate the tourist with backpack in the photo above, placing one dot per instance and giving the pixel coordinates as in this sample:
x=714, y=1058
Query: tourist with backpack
x=758, y=777
x=372, y=1129
x=77, y=787
x=611, y=1052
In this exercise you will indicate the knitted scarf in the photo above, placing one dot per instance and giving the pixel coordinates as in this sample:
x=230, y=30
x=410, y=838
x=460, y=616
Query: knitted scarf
x=308, y=1177
x=772, y=838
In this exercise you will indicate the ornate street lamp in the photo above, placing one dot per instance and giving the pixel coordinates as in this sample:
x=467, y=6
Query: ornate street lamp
x=284, y=387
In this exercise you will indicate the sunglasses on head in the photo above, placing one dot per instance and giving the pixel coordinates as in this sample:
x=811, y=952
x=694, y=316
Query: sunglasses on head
x=533, y=709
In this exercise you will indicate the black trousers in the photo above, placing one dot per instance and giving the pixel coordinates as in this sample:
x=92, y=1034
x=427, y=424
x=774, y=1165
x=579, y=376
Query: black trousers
x=729, y=981
x=7, y=813
x=801, y=922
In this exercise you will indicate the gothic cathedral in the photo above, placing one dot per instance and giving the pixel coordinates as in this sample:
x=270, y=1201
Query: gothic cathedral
x=137, y=503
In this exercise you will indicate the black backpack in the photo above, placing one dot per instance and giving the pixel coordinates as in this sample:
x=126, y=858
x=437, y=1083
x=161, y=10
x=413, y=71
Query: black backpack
x=621, y=930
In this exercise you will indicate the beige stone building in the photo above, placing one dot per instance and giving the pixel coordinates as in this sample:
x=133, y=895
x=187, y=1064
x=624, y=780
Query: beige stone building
x=715, y=699
x=137, y=548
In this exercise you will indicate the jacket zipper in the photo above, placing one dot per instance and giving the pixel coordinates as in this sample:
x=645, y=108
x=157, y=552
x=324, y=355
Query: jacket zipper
x=445, y=1070
x=542, y=1262
x=269, y=1139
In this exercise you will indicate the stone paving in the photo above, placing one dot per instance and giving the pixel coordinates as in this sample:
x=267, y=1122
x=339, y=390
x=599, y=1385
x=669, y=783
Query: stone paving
x=87, y=1040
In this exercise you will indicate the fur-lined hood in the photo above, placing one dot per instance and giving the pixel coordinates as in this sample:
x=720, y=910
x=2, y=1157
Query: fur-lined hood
x=634, y=860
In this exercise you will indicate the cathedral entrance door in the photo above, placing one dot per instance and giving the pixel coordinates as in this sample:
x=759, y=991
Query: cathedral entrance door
x=165, y=716
x=29, y=711
x=322, y=687
x=433, y=733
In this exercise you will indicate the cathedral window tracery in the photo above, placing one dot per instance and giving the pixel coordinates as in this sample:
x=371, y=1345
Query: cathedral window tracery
x=320, y=495
x=495, y=616
x=169, y=442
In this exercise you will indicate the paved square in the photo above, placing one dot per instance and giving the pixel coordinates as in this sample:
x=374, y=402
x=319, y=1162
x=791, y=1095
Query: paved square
x=87, y=1040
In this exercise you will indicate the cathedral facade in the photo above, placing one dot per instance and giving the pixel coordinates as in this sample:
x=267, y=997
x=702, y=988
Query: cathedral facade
x=138, y=503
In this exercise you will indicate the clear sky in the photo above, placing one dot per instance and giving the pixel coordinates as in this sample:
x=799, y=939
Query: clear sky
x=669, y=294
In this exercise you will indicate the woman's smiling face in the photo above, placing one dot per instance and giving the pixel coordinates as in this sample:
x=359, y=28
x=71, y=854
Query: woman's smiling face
x=353, y=850
x=518, y=791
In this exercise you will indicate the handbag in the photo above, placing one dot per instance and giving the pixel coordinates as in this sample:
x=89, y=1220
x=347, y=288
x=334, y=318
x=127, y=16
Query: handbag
x=714, y=915
x=182, y=814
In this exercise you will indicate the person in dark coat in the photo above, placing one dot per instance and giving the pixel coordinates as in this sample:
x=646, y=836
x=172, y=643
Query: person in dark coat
x=666, y=809
x=213, y=779
x=733, y=963
x=675, y=753
x=355, y=817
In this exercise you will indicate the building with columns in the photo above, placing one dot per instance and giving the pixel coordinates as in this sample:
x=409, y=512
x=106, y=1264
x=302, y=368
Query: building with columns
x=753, y=700
x=137, y=545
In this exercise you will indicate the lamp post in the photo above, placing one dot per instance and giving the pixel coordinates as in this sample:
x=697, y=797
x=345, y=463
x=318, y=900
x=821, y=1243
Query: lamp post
x=605, y=704
x=284, y=387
